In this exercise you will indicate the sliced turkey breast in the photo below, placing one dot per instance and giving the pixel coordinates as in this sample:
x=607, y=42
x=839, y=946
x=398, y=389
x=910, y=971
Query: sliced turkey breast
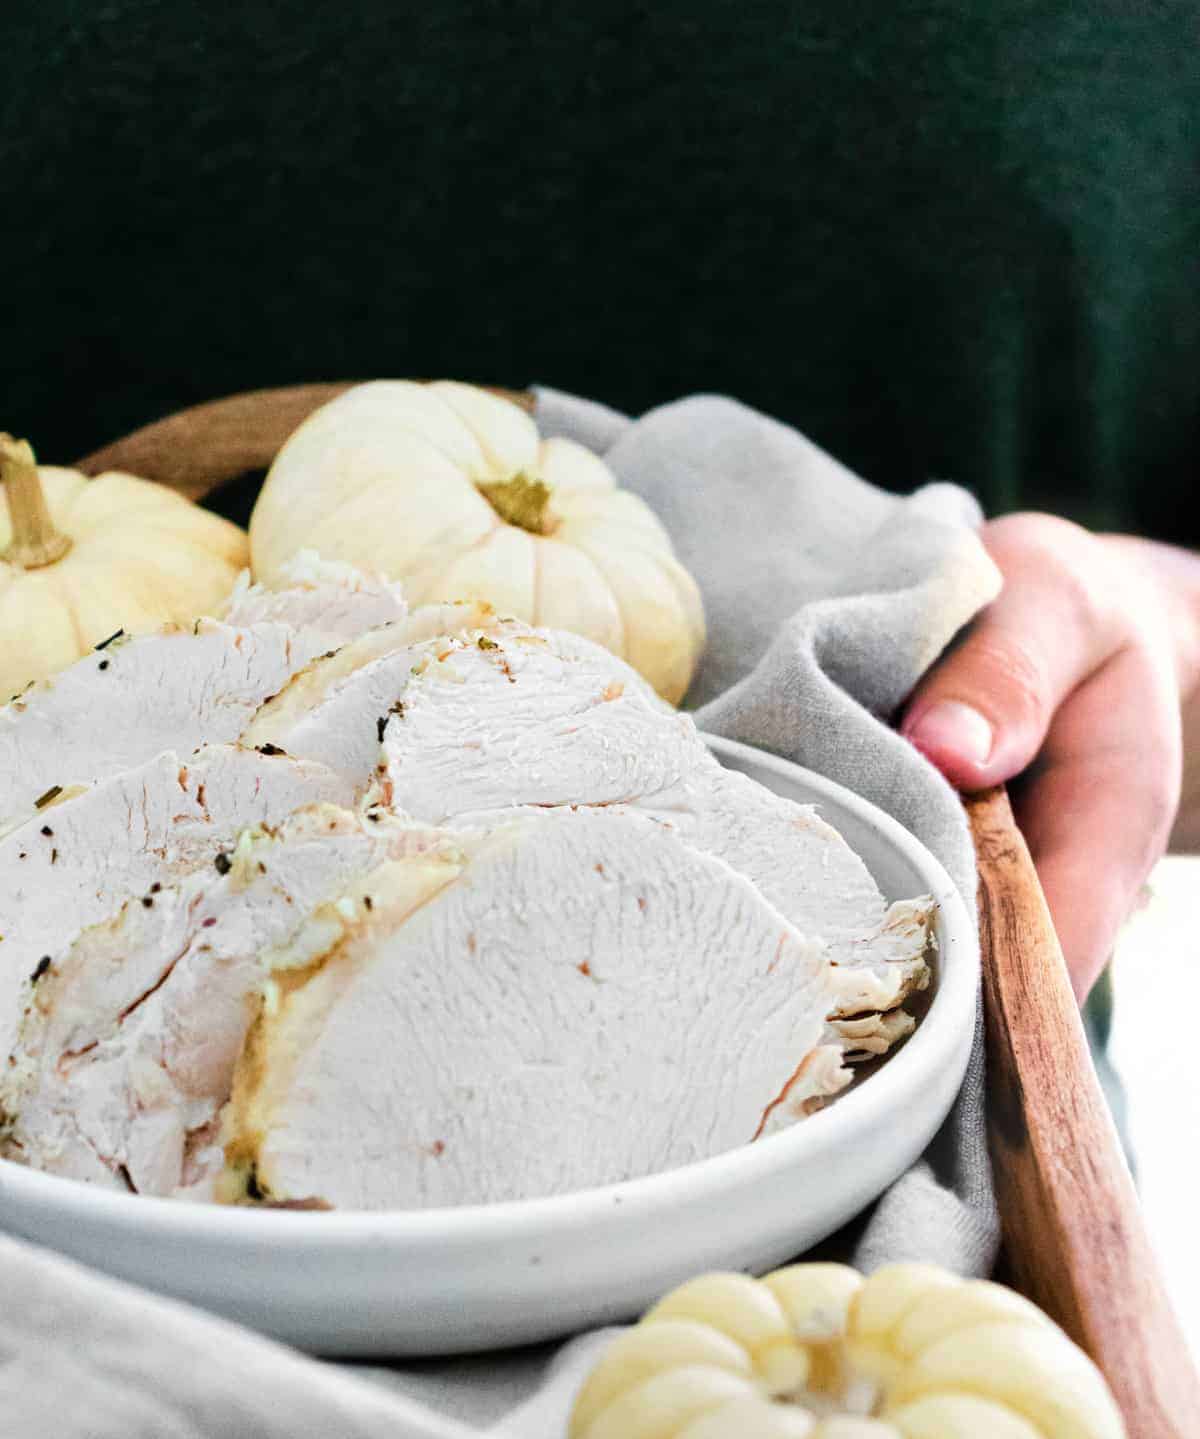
x=186, y=685
x=136, y=697
x=603, y=907
x=129, y=1041
x=337, y=709
x=582, y=999
x=330, y=602
x=76, y=861
x=808, y=871
x=534, y=717
x=804, y=867
x=530, y=720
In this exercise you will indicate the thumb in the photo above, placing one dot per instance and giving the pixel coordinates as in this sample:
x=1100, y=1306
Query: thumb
x=981, y=714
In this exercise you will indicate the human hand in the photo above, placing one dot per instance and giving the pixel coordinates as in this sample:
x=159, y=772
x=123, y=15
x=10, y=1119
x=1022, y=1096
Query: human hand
x=1073, y=680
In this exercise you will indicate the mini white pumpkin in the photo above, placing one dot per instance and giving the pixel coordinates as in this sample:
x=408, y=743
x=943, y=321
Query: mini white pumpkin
x=814, y=1351
x=82, y=558
x=448, y=488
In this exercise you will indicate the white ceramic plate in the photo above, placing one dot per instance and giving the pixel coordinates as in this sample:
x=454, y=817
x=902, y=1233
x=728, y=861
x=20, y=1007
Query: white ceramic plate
x=453, y=1280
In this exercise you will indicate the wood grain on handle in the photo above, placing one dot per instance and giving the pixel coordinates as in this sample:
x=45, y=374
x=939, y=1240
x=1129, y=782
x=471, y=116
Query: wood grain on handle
x=196, y=450
x=1075, y=1238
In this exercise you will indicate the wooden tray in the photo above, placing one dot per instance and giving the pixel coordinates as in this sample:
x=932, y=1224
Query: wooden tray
x=1073, y=1233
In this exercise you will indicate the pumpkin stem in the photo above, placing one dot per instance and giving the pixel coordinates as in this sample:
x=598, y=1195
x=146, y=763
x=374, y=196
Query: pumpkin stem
x=35, y=541
x=523, y=501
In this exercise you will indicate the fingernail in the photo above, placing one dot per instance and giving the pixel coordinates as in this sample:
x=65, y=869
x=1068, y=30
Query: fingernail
x=951, y=728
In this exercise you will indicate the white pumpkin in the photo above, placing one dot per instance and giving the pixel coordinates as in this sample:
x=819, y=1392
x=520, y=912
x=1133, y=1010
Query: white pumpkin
x=814, y=1351
x=448, y=488
x=82, y=558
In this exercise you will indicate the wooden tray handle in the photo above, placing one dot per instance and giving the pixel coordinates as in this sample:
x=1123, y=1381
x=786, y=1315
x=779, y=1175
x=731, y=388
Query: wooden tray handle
x=197, y=450
x=1074, y=1235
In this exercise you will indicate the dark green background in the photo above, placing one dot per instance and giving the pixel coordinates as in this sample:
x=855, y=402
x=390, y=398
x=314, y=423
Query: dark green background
x=954, y=240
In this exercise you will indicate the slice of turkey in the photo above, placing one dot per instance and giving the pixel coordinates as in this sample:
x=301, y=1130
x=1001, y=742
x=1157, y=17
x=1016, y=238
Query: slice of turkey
x=336, y=709
x=532, y=717
x=803, y=866
x=330, y=601
x=185, y=685
x=807, y=870
x=128, y=1048
x=582, y=999
x=533, y=721
x=76, y=861
x=119, y=707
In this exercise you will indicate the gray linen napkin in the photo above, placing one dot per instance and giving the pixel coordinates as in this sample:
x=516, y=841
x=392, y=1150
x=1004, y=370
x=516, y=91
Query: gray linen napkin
x=826, y=599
